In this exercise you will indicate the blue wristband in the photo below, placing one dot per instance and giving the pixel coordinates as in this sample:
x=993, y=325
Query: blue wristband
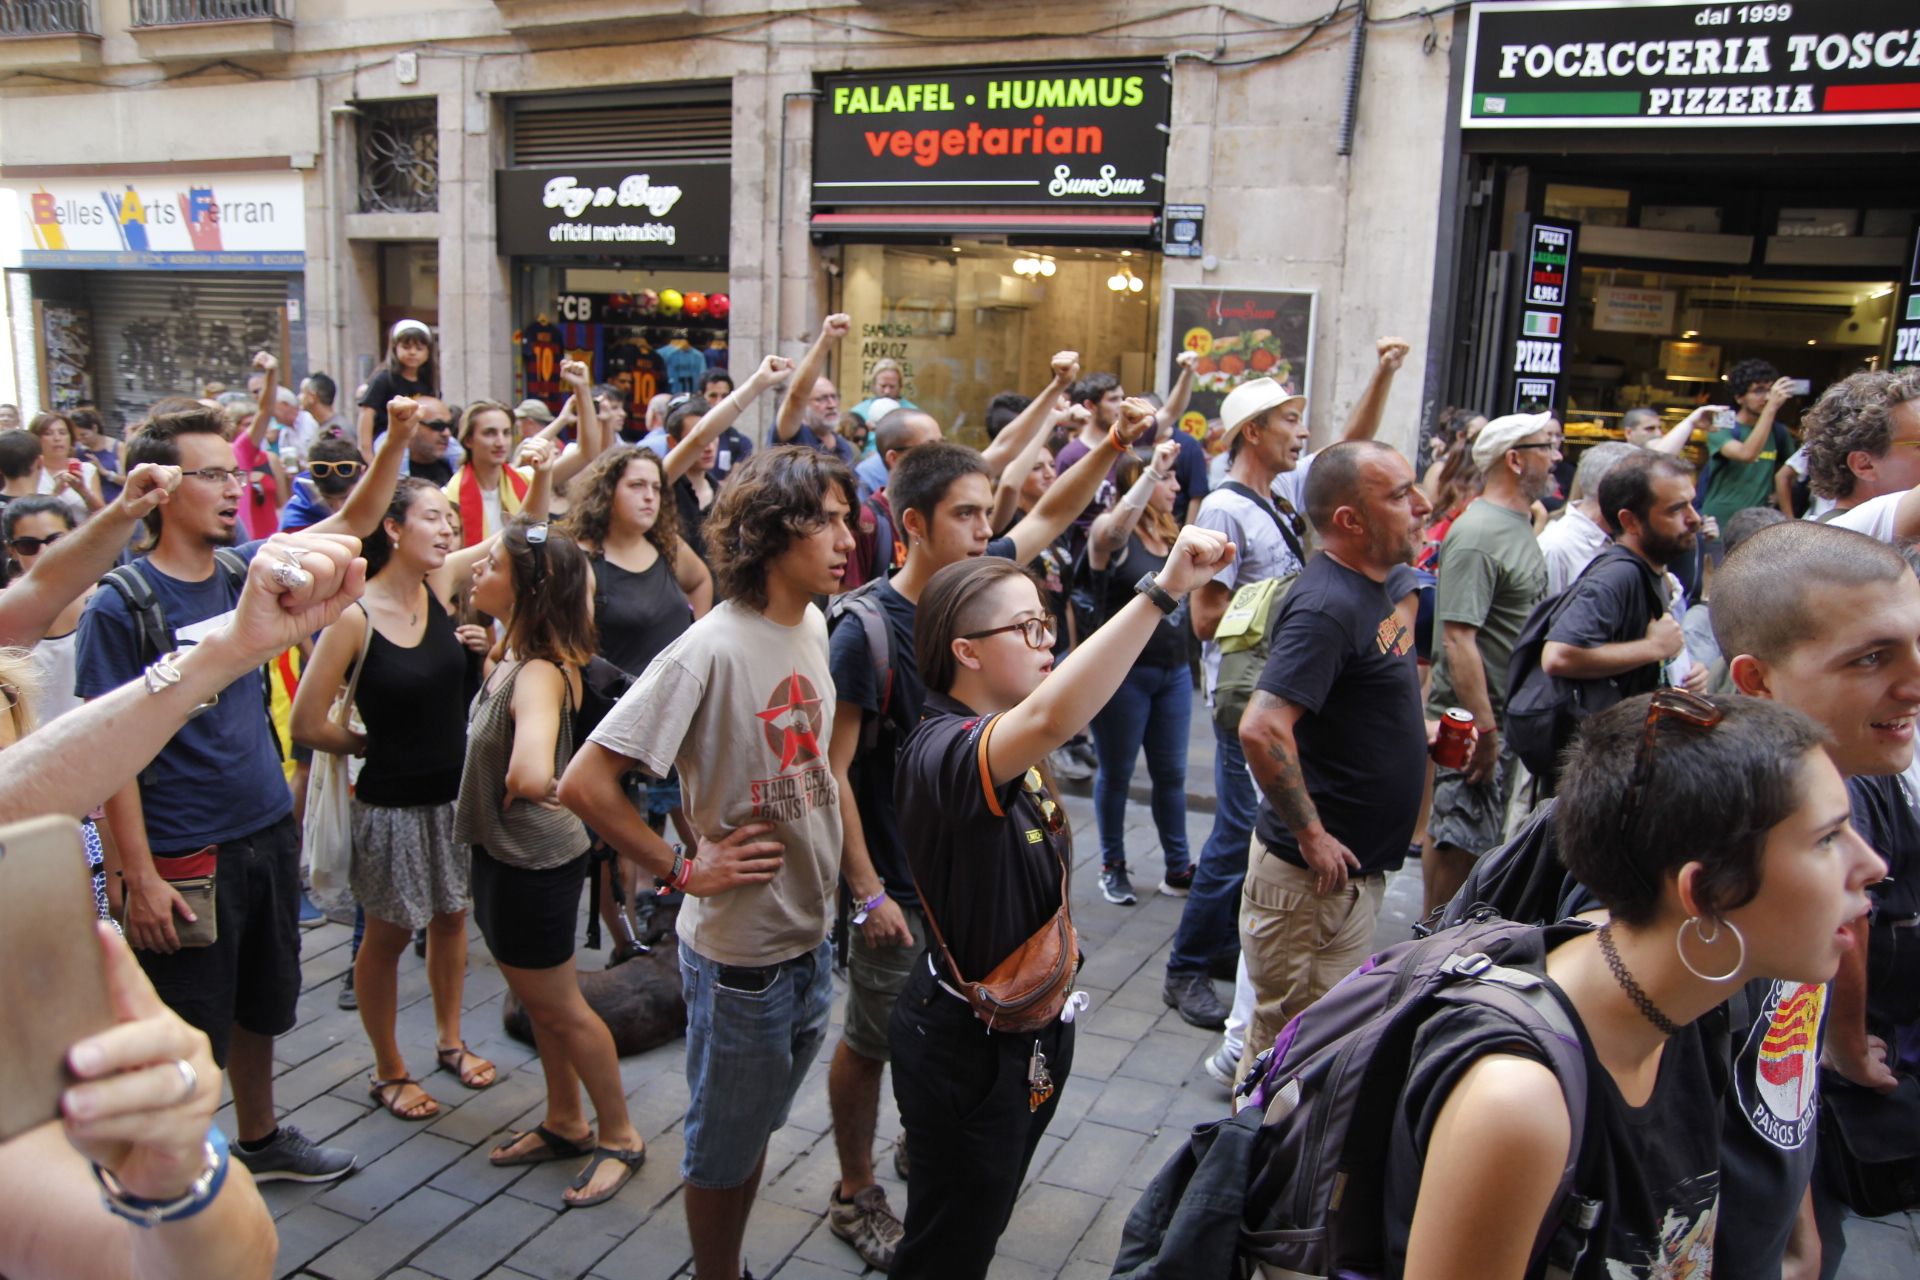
x=203, y=1191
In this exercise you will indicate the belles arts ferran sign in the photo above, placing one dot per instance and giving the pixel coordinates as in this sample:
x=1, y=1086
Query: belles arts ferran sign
x=1568, y=64
x=627, y=211
x=1088, y=134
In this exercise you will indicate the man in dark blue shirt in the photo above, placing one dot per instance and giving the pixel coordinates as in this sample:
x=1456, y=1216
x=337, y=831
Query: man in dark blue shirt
x=214, y=803
x=1336, y=738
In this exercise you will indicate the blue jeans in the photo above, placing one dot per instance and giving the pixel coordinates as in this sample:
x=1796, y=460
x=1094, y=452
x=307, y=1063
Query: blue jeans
x=1211, y=922
x=752, y=1032
x=1154, y=706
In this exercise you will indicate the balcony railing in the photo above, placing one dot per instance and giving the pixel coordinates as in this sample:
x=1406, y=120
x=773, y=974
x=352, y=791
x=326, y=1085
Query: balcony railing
x=46, y=18
x=175, y=13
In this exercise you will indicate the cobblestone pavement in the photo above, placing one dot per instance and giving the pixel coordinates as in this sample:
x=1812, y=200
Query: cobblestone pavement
x=425, y=1202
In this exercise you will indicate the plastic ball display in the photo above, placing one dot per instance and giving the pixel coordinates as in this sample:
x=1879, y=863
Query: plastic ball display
x=671, y=302
x=718, y=304
x=646, y=302
x=695, y=304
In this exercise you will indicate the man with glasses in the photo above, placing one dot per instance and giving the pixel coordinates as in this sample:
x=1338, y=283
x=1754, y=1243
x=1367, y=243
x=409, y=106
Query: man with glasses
x=1863, y=451
x=214, y=803
x=1491, y=575
x=810, y=413
x=432, y=455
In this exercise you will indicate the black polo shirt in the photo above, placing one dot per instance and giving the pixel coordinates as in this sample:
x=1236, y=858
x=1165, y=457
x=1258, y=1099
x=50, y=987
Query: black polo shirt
x=988, y=871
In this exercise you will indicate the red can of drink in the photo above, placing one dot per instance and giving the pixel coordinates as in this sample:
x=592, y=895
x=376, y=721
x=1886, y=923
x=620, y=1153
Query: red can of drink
x=1453, y=745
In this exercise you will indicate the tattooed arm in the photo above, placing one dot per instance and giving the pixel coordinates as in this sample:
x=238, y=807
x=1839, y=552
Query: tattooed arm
x=1266, y=735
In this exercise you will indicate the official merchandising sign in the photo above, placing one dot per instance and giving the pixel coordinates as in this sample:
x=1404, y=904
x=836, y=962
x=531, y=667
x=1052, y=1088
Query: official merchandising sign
x=1607, y=64
x=1086, y=134
x=1239, y=335
x=615, y=211
x=227, y=222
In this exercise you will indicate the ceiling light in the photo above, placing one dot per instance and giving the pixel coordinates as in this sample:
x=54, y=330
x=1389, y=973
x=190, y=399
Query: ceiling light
x=1813, y=342
x=1691, y=333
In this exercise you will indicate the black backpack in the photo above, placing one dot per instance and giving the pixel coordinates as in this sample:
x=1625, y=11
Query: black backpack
x=156, y=633
x=860, y=605
x=1544, y=712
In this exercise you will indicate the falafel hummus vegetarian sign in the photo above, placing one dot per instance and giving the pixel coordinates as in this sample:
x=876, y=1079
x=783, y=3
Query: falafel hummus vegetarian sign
x=1085, y=134
x=1239, y=335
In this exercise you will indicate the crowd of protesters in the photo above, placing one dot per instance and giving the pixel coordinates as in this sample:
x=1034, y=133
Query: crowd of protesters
x=835, y=677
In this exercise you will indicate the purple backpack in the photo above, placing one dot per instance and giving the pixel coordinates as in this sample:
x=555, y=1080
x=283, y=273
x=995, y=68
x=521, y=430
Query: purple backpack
x=1295, y=1184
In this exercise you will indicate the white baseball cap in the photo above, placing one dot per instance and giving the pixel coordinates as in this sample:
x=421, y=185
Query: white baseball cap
x=1248, y=401
x=1502, y=434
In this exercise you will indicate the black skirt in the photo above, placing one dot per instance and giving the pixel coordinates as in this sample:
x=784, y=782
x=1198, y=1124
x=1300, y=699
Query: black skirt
x=527, y=917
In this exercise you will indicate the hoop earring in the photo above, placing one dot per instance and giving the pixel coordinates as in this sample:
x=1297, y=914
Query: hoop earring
x=1708, y=939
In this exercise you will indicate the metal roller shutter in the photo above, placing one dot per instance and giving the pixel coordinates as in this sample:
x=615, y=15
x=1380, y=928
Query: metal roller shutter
x=572, y=131
x=167, y=333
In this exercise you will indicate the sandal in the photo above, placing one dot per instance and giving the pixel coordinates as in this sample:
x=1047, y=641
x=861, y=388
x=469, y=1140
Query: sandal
x=631, y=1159
x=455, y=1060
x=552, y=1147
x=387, y=1094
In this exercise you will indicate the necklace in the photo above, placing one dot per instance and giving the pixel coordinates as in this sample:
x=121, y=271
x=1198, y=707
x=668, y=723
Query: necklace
x=1641, y=1001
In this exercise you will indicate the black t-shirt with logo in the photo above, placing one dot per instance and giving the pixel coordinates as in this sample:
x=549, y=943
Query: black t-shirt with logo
x=383, y=386
x=1655, y=1167
x=1340, y=651
x=874, y=770
x=982, y=855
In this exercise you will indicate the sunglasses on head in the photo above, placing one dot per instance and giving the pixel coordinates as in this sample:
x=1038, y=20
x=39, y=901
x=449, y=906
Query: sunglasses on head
x=34, y=546
x=346, y=470
x=537, y=543
x=1681, y=706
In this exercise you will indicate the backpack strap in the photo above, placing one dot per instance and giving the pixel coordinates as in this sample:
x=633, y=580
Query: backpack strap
x=860, y=604
x=149, y=619
x=1286, y=530
x=1524, y=996
x=235, y=568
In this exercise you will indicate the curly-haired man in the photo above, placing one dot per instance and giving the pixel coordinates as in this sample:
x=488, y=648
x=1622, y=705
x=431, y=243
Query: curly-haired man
x=1863, y=450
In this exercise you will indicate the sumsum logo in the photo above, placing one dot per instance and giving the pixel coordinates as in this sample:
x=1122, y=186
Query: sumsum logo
x=1106, y=183
x=635, y=192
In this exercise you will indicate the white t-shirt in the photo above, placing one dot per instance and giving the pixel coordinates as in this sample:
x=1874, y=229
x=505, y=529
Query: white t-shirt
x=89, y=473
x=1261, y=551
x=1819, y=506
x=1569, y=545
x=744, y=708
x=1874, y=517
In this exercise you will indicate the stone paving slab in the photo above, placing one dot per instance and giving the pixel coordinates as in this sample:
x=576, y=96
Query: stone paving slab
x=427, y=1205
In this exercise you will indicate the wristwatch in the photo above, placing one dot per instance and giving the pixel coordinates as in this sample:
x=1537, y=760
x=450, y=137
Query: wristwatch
x=1155, y=592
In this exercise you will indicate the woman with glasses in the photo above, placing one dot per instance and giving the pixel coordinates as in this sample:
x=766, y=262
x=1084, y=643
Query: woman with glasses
x=988, y=849
x=1704, y=887
x=408, y=669
x=30, y=526
x=530, y=855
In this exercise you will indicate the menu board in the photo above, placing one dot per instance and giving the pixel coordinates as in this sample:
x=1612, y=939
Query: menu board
x=1239, y=335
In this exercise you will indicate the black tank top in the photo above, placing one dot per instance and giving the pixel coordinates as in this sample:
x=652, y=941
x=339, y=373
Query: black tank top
x=413, y=702
x=638, y=614
x=1167, y=647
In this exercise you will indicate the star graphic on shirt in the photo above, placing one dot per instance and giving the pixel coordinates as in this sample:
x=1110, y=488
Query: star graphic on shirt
x=792, y=718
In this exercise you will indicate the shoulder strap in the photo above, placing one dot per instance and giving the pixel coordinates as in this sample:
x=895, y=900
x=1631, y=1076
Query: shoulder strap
x=156, y=637
x=1286, y=531
x=359, y=665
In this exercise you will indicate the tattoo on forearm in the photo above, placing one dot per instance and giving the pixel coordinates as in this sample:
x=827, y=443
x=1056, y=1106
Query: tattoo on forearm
x=1288, y=790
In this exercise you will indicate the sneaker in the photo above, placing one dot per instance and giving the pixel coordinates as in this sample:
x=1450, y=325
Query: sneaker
x=1192, y=995
x=347, y=999
x=1221, y=1064
x=1116, y=888
x=1177, y=884
x=900, y=1158
x=294, y=1157
x=867, y=1223
x=1068, y=767
x=311, y=917
x=420, y=943
x=1082, y=750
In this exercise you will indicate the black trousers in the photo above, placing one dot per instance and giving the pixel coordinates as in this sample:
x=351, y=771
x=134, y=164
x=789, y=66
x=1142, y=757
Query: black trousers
x=970, y=1131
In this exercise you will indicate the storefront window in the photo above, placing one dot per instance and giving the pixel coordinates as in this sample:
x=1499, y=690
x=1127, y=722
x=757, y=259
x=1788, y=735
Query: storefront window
x=971, y=320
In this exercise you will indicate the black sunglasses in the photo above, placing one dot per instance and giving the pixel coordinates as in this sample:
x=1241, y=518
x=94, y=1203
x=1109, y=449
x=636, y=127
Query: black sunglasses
x=34, y=546
x=437, y=424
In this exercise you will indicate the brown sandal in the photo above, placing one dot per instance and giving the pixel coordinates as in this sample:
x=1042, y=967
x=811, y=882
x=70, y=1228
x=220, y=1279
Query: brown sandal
x=387, y=1094
x=455, y=1059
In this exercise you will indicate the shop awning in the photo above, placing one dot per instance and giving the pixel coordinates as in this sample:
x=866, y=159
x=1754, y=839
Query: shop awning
x=1055, y=226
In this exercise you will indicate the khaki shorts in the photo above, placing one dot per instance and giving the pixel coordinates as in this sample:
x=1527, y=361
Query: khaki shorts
x=1296, y=943
x=875, y=977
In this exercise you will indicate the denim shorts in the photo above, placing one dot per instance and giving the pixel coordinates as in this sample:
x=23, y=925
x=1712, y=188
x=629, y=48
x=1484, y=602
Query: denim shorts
x=752, y=1033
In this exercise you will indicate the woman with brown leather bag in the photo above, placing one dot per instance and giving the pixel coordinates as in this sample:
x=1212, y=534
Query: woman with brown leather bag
x=980, y=1045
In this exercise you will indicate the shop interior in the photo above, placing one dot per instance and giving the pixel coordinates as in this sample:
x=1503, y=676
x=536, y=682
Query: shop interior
x=969, y=320
x=1680, y=278
x=618, y=318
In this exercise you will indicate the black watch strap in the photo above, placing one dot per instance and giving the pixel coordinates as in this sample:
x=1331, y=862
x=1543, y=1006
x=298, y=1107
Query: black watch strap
x=1155, y=592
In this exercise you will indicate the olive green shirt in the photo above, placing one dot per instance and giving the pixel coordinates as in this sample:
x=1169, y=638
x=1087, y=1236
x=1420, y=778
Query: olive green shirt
x=1491, y=576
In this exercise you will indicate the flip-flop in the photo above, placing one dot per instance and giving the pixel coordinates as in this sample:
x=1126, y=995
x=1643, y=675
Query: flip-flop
x=552, y=1147
x=451, y=1060
x=387, y=1094
x=631, y=1159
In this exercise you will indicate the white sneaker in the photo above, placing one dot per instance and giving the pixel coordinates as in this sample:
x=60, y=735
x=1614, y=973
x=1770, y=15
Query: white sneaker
x=1221, y=1064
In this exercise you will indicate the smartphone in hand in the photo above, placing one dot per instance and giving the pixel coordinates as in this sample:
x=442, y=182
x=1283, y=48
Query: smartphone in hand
x=53, y=988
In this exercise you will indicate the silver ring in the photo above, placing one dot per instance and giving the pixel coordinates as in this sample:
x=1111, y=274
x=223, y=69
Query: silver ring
x=289, y=576
x=290, y=555
x=189, y=1077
